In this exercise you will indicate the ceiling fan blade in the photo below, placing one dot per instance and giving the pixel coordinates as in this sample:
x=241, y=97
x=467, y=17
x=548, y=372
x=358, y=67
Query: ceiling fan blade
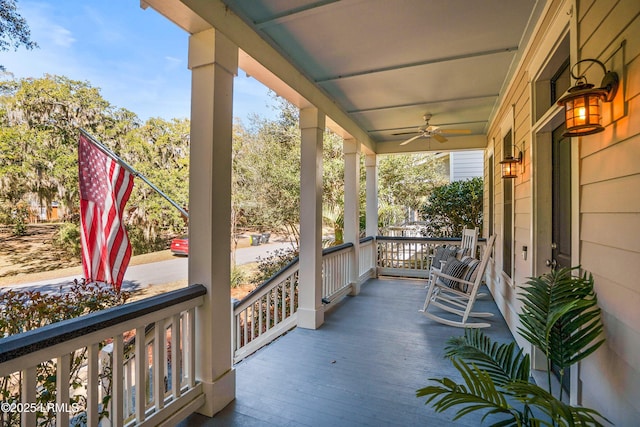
x=439, y=137
x=410, y=139
x=404, y=133
x=460, y=131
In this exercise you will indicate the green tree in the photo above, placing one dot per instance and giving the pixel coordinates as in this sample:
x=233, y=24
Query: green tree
x=454, y=206
x=405, y=183
x=14, y=30
x=48, y=113
x=266, y=167
x=159, y=150
x=40, y=121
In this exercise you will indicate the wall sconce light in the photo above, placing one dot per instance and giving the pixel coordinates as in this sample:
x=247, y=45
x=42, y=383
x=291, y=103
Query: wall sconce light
x=510, y=166
x=583, y=103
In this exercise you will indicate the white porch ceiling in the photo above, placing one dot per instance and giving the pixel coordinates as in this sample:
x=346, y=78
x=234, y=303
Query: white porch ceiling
x=383, y=64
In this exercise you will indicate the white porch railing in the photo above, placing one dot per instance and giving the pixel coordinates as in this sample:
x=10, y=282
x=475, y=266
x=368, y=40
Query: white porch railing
x=336, y=262
x=368, y=259
x=266, y=313
x=155, y=383
x=152, y=385
x=408, y=256
x=270, y=310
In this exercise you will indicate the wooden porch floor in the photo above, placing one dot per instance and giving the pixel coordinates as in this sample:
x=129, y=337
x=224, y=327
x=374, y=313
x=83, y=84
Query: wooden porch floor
x=362, y=367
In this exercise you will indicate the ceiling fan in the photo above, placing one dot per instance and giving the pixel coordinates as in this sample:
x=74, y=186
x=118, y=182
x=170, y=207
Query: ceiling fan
x=428, y=131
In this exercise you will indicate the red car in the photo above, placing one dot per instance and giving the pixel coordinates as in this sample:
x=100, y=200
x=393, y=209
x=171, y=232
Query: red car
x=180, y=245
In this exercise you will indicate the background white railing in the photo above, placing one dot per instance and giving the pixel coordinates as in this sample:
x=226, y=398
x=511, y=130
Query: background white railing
x=270, y=310
x=266, y=313
x=408, y=256
x=336, y=264
x=148, y=384
x=368, y=259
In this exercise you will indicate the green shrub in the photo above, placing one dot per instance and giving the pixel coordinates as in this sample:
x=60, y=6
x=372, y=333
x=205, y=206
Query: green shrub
x=453, y=207
x=560, y=316
x=27, y=310
x=143, y=244
x=67, y=239
x=272, y=263
x=237, y=276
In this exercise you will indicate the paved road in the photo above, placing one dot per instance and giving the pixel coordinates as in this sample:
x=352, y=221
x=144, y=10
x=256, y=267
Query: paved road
x=157, y=273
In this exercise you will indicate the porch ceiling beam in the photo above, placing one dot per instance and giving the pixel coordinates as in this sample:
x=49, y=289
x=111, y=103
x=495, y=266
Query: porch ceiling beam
x=418, y=64
x=295, y=13
x=233, y=27
x=424, y=103
x=471, y=142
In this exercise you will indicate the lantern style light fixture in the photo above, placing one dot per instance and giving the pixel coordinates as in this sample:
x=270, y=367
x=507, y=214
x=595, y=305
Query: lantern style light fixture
x=510, y=165
x=583, y=103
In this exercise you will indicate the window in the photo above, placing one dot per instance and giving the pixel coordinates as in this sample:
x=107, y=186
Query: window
x=560, y=82
x=507, y=217
x=491, y=193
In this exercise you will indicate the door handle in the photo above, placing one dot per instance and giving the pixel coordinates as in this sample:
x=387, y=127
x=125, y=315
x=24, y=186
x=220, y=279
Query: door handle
x=551, y=263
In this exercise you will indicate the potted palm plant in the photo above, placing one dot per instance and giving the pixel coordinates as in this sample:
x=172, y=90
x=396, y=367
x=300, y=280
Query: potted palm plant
x=559, y=316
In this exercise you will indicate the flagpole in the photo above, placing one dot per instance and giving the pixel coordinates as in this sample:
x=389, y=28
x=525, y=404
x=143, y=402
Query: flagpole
x=134, y=172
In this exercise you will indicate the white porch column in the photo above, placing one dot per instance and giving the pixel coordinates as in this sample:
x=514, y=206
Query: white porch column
x=213, y=61
x=371, y=166
x=351, y=149
x=310, y=309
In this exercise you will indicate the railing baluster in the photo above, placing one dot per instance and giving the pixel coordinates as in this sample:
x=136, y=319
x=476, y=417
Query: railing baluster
x=92, y=385
x=176, y=356
x=63, y=364
x=260, y=311
x=283, y=291
x=159, y=345
x=117, y=387
x=191, y=347
x=28, y=418
x=245, y=326
x=141, y=367
x=268, y=308
x=128, y=389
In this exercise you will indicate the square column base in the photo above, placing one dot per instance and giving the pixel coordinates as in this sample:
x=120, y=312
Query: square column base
x=218, y=394
x=355, y=289
x=310, y=319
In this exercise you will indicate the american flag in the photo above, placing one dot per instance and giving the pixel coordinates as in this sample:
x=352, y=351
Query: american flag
x=105, y=187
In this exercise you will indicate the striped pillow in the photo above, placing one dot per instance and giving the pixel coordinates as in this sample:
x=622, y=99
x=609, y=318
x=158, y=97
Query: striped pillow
x=454, y=268
x=470, y=273
x=465, y=269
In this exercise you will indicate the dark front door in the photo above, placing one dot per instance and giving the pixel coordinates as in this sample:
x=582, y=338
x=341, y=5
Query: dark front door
x=561, y=212
x=561, y=205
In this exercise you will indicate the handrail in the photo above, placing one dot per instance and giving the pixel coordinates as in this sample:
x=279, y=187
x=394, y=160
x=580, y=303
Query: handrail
x=162, y=393
x=424, y=239
x=271, y=309
x=284, y=270
x=15, y=346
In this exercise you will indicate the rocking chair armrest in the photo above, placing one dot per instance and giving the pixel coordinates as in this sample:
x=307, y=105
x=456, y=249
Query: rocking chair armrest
x=437, y=274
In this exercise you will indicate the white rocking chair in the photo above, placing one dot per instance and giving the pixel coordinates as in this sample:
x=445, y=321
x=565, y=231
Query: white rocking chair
x=469, y=242
x=468, y=246
x=457, y=295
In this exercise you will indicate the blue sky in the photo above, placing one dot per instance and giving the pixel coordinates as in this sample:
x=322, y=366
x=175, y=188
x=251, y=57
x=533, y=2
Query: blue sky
x=136, y=57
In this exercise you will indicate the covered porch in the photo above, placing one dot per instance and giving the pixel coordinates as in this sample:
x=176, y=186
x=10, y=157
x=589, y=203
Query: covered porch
x=361, y=367
x=369, y=71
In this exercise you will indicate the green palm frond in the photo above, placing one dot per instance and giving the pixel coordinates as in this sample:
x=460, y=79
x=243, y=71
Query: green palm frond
x=478, y=392
x=556, y=411
x=561, y=317
x=503, y=362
